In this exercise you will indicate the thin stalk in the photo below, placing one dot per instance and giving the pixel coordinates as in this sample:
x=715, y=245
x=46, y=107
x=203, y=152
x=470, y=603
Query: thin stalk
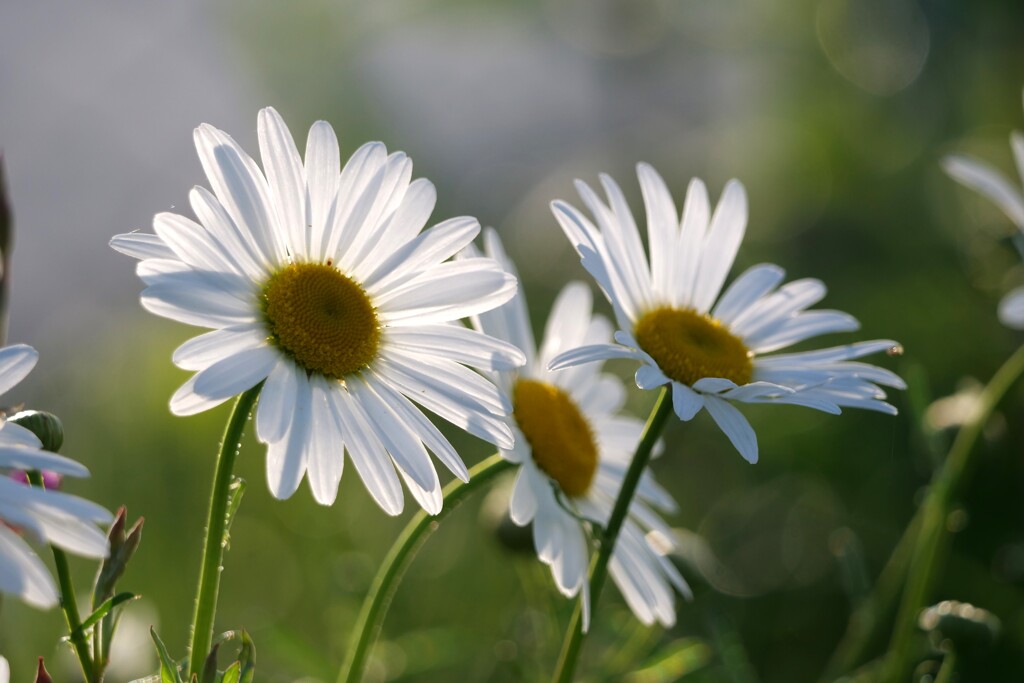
x=947, y=669
x=385, y=583
x=68, y=601
x=864, y=629
x=933, y=537
x=213, y=544
x=599, y=569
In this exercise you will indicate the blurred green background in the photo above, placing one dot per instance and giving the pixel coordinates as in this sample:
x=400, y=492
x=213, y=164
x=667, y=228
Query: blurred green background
x=834, y=113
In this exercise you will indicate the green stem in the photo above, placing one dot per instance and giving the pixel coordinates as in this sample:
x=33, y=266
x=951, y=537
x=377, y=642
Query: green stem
x=385, y=583
x=933, y=537
x=948, y=668
x=599, y=570
x=68, y=602
x=213, y=544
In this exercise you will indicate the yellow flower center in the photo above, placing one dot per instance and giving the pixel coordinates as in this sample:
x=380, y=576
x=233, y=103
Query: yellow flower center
x=559, y=435
x=321, y=318
x=689, y=346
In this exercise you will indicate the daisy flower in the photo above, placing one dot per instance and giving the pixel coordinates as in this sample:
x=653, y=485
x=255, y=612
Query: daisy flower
x=713, y=350
x=49, y=517
x=573, y=450
x=982, y=178
x=321, y=283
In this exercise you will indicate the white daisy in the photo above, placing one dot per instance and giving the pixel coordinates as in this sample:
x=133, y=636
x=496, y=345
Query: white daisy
x=573, y=449
x=988, y=181
x=324, y=286
x=48, y=517
x=711, y=348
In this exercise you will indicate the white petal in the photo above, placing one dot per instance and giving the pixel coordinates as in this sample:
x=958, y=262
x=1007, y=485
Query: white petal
x=401, y=443
x=224, y=379
x=1011, y=309
x=206, y=349
x=22, y=573
x=141, y=245
x=323, y=163
x=662, y=228
x=360, y=170
x=368, y=455
x=285, y=177
x=23, y=458
x=405, y=223
x=457, y=343
x=287, y=458
x=568, y=321
x=650, y=377
x=450, y=291
x=690, y=247
x=754, y=283
x=804, y=326
x=277, y=400
x=427, y=249
x=735, y=426
x=591, y=353
x=989, y=182
x=16, y=362
x=448, y=403
x=522, y=506
x=238, y=243
x=326, y=460
x=240, y=187
x=191, y=243
x=189, y=299
x=12, y=434
x=419, y=423
x=728, y=225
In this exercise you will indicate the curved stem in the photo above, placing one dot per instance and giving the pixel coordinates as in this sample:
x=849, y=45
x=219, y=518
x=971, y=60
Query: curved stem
x=216, y=523
x=68, y=601
x=599, y=570
x=385, y=583
x=933, y=536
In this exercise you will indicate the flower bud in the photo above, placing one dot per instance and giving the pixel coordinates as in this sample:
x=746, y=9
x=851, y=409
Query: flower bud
x=46, y=426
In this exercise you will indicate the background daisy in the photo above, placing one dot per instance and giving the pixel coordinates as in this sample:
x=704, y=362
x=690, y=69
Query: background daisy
x=573, y=449
x=710, y=348
x=1008, y=197
x=323, y=285
x=47, y=517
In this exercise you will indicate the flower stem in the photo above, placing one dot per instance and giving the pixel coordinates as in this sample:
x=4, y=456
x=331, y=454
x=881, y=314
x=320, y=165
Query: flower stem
x=68, y=601
x=385, y=583
x=599, y=570
x=933, y=536
x=216, y=523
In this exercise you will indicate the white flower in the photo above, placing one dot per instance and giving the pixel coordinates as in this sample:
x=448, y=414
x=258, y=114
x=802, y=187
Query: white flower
x=324, y=286
x=712, y=349
x=573, y=449
x=50, y=517
x=988, y=181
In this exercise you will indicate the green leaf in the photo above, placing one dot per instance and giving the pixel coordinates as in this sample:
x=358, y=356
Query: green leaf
x=169, y=670
x=232, y=674
x=105, y=608
x=247, y=658
x=209, y=674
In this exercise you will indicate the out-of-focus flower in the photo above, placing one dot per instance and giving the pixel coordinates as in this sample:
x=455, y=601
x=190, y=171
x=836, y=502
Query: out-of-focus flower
x=712, y=347
x=573, y=448
x=982, y=178
x=324, y=286
x=52, y=517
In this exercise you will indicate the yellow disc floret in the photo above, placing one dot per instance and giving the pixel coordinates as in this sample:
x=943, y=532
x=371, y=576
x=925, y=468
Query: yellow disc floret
x=689, y=346
x=321, y=318
x=559, y=435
